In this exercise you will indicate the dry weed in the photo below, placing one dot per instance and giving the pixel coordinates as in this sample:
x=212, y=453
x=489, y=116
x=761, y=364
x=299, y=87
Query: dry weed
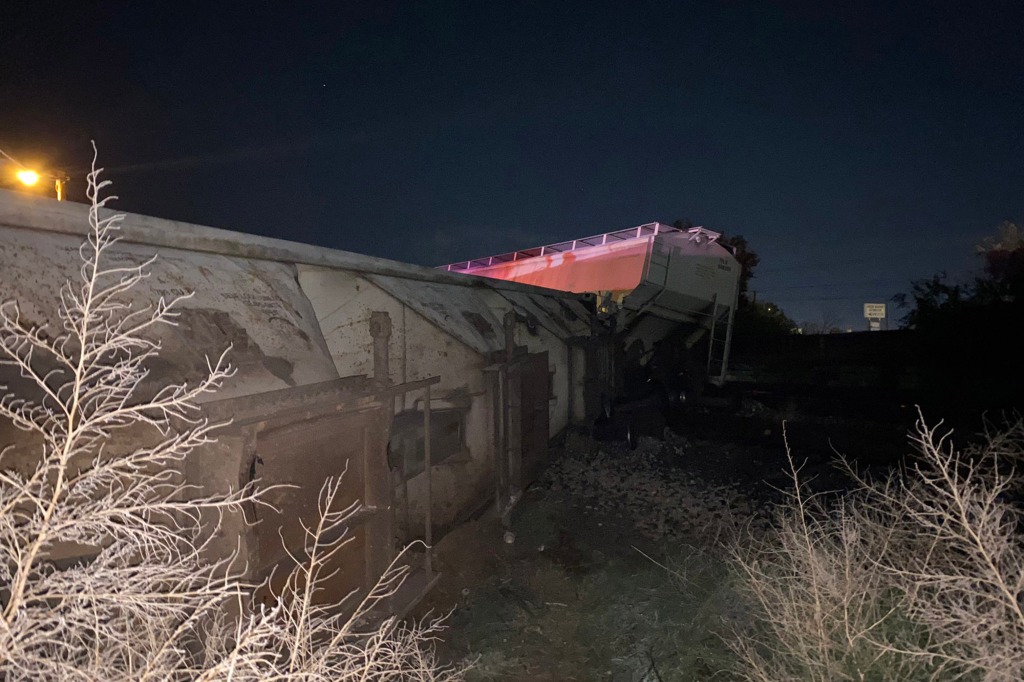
x=104, y=569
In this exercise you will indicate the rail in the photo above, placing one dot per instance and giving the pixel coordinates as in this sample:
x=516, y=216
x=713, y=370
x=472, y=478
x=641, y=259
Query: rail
x=644, y=231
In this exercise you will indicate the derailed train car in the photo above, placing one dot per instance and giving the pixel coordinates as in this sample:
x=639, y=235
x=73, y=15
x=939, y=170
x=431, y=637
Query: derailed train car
x=436, y=393
x=667, y=298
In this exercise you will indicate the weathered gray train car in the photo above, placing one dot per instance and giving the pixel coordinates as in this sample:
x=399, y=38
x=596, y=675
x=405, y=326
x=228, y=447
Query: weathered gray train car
x=436, y=393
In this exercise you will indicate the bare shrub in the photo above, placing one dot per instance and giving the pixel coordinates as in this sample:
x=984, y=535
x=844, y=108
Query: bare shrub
x=917, y=576
x=820, y=601
x=104, y=568
x=960, y=565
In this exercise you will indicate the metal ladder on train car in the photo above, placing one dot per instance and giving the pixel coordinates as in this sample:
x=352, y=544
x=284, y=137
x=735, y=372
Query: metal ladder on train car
x=719, y=338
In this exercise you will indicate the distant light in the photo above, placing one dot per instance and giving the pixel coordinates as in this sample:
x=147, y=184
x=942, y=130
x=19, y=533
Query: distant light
x=28, y=177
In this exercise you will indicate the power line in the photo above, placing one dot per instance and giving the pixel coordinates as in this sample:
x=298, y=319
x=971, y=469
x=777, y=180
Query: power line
x=825, y=285
x=852, y=261
x=809, y=299
x=11, y=159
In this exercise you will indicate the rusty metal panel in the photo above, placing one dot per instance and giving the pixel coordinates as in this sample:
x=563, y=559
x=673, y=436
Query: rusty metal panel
x=533, y=405
x=299, y=438
x=347, y=568
x=448, y=438
x=522, y=429
x=302, y=455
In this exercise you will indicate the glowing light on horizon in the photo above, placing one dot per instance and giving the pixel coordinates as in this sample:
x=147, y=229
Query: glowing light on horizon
x=28, y=177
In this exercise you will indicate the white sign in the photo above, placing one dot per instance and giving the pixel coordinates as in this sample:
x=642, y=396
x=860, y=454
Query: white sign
x=874, y=311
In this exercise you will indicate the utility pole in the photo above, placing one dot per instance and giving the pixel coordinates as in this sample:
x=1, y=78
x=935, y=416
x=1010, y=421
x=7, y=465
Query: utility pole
x=60, y=178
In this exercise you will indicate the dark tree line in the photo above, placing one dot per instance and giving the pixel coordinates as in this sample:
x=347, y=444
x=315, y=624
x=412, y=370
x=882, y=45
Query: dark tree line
x=939, y=300
x=969, y=331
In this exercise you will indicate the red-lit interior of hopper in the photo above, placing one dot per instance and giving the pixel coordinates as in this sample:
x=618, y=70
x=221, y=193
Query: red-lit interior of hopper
x=614, y=261
x=617, y=267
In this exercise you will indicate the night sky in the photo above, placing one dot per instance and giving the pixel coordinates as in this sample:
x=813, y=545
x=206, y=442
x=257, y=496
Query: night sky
x=857, y=147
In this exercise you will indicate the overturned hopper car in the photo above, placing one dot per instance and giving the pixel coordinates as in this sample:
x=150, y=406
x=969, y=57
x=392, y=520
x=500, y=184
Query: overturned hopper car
x=435, y=392
x=666, y=296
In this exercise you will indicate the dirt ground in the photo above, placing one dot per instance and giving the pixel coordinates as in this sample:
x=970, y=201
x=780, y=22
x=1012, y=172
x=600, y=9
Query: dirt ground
x=613, y=568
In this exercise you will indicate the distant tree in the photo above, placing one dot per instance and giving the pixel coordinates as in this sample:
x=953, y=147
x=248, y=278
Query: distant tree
x=770, y=318
x=759, y=325
x=1004, y=265
x=747, y=258
x=970, y=346
x=932, y=298
x=938, y=300
x=827, y=323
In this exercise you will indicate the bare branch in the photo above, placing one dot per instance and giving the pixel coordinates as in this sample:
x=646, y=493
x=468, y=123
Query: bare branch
x=140, y=593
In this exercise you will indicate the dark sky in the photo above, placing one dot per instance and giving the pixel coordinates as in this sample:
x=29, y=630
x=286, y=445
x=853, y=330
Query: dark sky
x=857, y=147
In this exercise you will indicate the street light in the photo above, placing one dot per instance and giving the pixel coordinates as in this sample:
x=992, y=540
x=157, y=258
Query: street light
x=59, y=178
x=28, y=177
x=31, y=178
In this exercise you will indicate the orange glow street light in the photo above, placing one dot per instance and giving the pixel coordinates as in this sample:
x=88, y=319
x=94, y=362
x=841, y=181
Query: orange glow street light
x=28, y=177
x=31, y=178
